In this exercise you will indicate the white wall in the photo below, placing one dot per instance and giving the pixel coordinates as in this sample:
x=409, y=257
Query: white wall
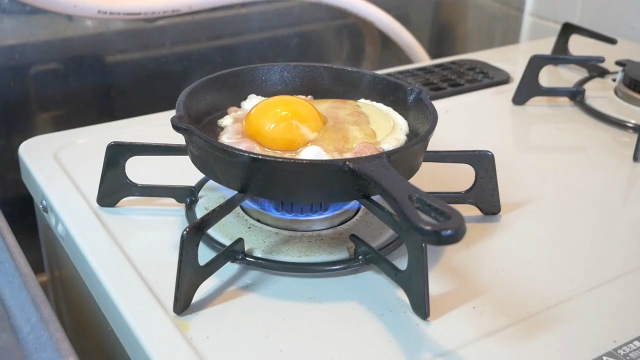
x=617, y=18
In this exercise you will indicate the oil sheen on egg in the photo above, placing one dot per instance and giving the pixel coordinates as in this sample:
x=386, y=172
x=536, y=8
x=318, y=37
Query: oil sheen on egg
x=351, y=128
x=350, y=123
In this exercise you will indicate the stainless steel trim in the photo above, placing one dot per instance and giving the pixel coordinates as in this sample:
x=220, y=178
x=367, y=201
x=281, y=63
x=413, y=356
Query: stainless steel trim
x=625, y=94
x=35, y=327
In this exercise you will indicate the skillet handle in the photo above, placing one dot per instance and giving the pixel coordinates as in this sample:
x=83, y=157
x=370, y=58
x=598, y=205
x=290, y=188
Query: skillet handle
x=413, y=209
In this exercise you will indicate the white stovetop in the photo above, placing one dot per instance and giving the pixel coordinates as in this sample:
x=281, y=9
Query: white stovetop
x=556, y=275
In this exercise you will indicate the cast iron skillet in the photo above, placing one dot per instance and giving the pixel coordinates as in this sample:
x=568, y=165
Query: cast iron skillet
x=314, y=181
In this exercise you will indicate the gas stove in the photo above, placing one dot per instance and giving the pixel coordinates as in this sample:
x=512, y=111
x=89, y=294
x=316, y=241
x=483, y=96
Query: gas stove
x=594, y=93
x=553, y=276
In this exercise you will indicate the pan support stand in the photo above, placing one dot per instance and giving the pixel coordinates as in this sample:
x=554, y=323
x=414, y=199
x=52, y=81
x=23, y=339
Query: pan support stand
x=115, y=185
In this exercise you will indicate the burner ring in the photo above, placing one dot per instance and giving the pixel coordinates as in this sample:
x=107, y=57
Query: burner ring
x=284, y=266
x=597, y=114
x=299, y=217
x=626, y=94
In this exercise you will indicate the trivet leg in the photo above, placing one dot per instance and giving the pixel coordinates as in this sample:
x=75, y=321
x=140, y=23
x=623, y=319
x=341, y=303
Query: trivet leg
x=190, y=273
x=636, y=151
x=414, y=280
x=115, y=185
x=530, y=87
x=483, y=193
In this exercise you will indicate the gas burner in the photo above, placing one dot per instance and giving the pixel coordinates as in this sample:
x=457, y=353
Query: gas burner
x=628, y=82
x=293, y=246
x=615, y=104
x=217, y=218
x=299, y=217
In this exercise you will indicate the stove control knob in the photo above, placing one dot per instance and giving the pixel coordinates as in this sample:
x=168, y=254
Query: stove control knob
x=44, y=206
x=630, y=74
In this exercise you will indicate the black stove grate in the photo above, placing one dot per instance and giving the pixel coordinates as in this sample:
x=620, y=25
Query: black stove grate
x=115, y=185
x=530, y=87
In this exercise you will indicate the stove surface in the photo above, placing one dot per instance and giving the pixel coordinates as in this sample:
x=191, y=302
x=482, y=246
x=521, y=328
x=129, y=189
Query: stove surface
x=554, y=276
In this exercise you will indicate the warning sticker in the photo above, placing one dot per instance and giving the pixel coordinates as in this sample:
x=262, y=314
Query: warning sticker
x=627, y=351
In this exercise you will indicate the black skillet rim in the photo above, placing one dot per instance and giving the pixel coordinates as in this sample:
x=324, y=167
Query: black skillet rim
x=424, y=95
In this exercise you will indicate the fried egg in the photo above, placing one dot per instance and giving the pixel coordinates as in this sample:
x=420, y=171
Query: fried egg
x=283, y=123
x=305, y=128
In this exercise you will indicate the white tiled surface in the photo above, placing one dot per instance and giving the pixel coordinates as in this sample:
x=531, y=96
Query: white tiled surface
x=555, y=11
x=536, y=28
x=517, y=5
x=619, y=19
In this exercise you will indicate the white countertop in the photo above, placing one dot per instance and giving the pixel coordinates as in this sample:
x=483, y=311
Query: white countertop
x=555, y=276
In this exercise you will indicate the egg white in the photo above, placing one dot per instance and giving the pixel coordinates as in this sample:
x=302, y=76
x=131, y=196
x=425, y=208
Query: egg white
x=313, y=152
x=251, y=101
x=398, y=134
x=394, y=139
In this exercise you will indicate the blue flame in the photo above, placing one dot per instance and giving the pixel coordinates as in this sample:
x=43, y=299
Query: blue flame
x=298, y=211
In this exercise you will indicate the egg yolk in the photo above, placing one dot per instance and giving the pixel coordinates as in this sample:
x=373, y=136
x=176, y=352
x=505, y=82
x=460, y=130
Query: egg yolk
x=283, y=123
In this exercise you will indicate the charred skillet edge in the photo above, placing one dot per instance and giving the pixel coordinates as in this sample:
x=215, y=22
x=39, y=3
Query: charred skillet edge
x=181, y=125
